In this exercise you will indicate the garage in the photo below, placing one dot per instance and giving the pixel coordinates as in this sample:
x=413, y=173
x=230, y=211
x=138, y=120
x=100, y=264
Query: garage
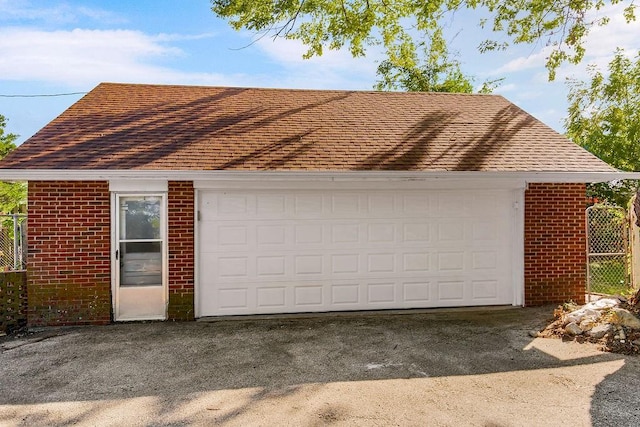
x=251, y=200
x=317, y=250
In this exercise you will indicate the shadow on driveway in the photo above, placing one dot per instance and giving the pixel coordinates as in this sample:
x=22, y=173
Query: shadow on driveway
x=439, y=368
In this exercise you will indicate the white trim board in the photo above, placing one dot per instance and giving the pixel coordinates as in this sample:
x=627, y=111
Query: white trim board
x=138, y=185
x=436, y=184
x=236, y=175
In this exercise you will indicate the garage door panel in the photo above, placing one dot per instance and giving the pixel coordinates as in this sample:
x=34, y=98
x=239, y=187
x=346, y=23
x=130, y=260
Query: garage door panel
x=417, y=294
x=483, y=204
x=381, y=293
x=382, y=233
x=417, y=204
x=271, y=205
x=296, y=251
x=345, y=205
x=306, y=234
x=232, y=266
x=345, y=233
x=309, y=265
x=381, y=205
x=485, y=231
x=416, y=233
x=268, y=266
x=233, y=298
x=453, y=205
x=450, y=290
x=450, y=261
x=252, y=298
x=309, y=205
x=416, y=262
x=309, y=297
x=451, y=231
x=378, y=263
x=484, y=260
x=227, y=206
x=345, y=295
x=484, y=289
x=271, y=297
x=229, y=236
x=345, y=263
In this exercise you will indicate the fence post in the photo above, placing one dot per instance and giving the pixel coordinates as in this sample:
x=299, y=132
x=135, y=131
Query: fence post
x=634, y=243
x=16, y=261
x=588, y=251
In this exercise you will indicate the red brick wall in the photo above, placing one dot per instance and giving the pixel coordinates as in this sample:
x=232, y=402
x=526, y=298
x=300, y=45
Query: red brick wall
x=554, y=244
x=69, y=242
x=181, y=250
x=69, y=249
x=68, y=277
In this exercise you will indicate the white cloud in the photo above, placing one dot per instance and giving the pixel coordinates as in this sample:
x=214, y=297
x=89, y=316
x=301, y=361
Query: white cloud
x=290, y=52
x=602, y=41
x=552, y=117
x=25, y=10
x=522, y=63
x=334, y=69
x=617, y=33
x=81, y=58
x=504, y=88
x=599, y=44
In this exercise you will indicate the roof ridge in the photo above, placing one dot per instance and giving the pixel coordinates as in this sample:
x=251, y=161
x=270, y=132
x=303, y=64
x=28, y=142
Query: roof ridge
x=281, y=89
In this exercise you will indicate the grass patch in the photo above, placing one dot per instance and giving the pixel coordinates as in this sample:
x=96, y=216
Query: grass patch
x=608, y=277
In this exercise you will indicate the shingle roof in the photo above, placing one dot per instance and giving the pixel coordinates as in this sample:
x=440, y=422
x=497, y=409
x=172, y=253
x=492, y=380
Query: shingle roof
x=154, y=127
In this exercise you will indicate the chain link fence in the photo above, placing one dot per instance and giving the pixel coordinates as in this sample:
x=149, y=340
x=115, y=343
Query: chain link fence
x=607, y=251
x=13, y=242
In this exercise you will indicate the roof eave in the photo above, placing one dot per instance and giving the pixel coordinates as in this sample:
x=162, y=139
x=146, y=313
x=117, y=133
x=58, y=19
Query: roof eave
x=193, y=175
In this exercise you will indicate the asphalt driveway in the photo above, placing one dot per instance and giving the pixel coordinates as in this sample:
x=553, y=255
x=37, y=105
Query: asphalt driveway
x=435, y=368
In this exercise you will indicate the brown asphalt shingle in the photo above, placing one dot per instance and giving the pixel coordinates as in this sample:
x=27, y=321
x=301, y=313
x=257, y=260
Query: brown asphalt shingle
x=153, y=127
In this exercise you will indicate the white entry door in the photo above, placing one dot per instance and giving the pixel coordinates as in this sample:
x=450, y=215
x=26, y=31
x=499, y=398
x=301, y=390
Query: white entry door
x=139, y=287
x=279, y=251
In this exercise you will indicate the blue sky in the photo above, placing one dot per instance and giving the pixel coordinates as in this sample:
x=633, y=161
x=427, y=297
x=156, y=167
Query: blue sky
x=50, y=47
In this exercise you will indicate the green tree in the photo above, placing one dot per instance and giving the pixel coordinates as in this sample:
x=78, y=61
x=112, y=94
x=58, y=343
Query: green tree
x=604, y=118
x=12, y=194
x=397, y=24
x=436, y=71
x=436, y=76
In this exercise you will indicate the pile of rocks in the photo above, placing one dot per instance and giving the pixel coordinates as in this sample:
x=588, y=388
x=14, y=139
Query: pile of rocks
x=605, y=321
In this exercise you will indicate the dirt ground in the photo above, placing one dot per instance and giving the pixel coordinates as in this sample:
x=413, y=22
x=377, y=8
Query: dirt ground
x=433, y=368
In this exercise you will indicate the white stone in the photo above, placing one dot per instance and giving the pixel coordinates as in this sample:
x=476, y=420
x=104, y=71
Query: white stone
x=573, y=329
x=588, y=322
x=623, y=317
x=578, y=315
x=603, y=303
x=599, y=331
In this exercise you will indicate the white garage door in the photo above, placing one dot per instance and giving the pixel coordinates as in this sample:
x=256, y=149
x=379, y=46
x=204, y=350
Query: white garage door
x=290, y=251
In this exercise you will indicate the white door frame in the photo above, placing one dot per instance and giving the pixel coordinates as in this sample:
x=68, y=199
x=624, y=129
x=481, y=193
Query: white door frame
x=151, y=300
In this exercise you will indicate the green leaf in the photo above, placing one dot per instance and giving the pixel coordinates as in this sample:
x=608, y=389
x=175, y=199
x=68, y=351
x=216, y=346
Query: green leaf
x=13, y=195
x=604, y=118
x=359, y=24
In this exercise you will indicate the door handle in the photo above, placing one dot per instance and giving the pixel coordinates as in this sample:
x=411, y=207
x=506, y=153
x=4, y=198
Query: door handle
x=117, y=253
